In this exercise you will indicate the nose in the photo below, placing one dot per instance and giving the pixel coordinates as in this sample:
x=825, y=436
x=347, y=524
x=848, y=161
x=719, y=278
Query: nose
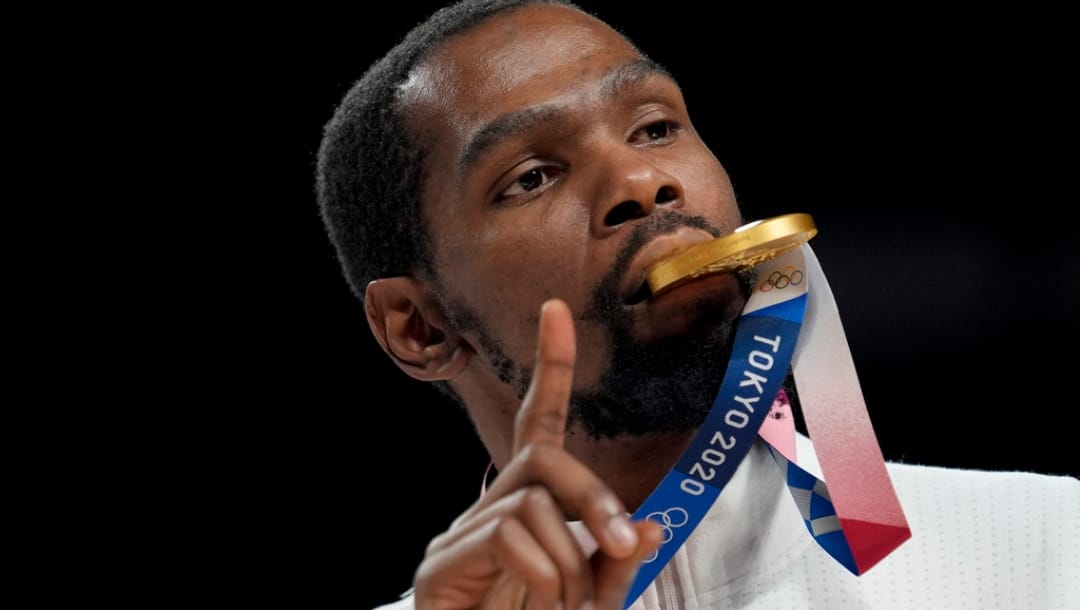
x=631, y=186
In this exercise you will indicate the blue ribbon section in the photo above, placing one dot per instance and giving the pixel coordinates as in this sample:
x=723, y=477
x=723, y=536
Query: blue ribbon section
x=764, y=345
x=811, y=496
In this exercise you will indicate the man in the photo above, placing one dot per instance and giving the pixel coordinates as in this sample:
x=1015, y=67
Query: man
x=498, y=188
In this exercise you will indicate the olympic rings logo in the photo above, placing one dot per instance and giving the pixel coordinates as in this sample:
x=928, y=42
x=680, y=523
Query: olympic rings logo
x=669, y=520
x=789, y=276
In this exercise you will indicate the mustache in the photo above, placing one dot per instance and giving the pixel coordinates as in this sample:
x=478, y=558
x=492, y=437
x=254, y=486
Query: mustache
x=606, y=304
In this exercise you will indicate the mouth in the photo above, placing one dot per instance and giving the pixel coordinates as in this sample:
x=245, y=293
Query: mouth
x=635, y=287
x=643, y=293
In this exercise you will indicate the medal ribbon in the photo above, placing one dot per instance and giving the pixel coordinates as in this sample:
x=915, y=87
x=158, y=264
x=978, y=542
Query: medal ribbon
x=857, y=517
x=860, y=521
x=764, y=344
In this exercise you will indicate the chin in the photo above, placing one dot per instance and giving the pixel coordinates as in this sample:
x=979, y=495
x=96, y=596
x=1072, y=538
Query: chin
x=665, y=368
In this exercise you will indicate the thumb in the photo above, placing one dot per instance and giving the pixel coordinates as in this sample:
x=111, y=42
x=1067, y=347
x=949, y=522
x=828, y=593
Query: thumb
x=615, y=576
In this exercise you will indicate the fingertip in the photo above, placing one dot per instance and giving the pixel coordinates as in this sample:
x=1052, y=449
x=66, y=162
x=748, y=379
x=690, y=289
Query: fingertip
x=650, y=536
x=556, y=309
x=557, y=342
x=553, y=303
x=623, y=535
x=615, y=574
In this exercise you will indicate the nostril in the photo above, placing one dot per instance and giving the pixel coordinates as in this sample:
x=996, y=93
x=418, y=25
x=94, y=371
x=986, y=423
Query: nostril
x=627, y=210
x=666, y=194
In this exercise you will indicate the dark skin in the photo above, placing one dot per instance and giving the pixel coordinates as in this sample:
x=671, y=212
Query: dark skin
x=550, y=140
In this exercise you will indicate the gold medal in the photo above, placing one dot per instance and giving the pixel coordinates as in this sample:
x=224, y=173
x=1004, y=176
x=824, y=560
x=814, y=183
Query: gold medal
x=749, y=245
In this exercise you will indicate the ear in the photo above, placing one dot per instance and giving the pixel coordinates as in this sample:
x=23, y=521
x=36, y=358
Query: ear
x=412, y=329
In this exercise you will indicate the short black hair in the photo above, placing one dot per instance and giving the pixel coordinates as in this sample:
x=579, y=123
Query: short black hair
x=370, y=164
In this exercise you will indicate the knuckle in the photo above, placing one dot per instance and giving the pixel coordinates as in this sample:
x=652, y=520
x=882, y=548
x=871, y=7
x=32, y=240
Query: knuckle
x=536, y=499
x=538, y=459
x=602, y=503
x=503, y=532
x=576, y=571
x=436, y=544
x=549, y=418
x=598, y=494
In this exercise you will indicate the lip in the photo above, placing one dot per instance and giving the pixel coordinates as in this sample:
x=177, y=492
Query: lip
x=660, y=247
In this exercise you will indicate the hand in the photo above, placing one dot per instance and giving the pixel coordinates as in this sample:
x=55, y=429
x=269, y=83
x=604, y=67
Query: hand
x=513, y=547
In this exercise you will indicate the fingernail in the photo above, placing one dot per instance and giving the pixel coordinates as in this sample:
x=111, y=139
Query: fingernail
x=622, y=531
x=587, y=606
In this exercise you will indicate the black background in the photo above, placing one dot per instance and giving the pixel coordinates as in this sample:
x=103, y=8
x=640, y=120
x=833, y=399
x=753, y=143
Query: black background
x=931, y=149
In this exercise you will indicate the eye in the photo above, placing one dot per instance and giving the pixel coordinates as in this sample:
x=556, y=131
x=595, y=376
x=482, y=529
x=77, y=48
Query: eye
x=656, y=132
x=531, y=180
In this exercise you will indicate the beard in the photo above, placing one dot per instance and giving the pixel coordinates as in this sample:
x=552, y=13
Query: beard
x=665, y=385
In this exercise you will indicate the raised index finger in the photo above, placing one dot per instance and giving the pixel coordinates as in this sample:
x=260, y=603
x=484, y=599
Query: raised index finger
x=542, y=417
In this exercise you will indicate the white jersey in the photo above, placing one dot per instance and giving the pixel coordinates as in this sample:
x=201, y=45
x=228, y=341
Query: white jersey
x=979, y=540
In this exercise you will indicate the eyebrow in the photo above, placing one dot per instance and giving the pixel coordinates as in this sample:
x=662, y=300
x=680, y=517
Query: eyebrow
x=613, y=84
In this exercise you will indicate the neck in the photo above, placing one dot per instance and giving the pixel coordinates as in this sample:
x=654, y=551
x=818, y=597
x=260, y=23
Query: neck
x=631, y=467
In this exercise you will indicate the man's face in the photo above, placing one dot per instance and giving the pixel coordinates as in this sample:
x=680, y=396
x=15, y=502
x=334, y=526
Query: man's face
x=561, y=165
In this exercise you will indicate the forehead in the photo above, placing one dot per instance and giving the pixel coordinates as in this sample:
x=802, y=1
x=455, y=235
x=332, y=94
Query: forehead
x=530, y=56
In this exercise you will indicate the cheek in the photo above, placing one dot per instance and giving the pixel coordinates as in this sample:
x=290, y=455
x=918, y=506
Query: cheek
x=539, y=251
x=527, y=257
x=709, y=191
x=539, y=257
x=506, y=270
